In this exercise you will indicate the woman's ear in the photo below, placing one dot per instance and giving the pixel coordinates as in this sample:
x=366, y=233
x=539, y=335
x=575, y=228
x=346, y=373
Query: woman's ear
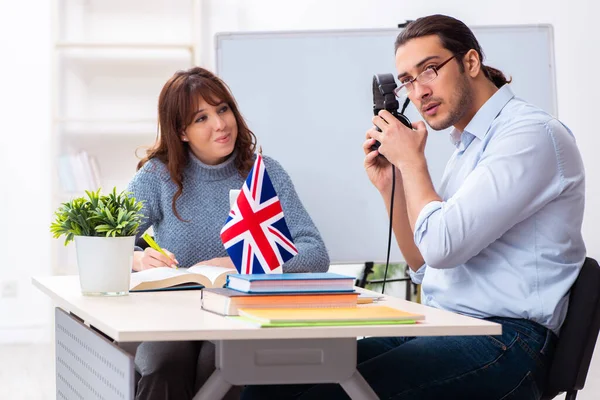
x=184, y=137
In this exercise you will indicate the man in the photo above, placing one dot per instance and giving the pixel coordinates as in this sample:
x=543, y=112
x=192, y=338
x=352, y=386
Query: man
x=501, y=240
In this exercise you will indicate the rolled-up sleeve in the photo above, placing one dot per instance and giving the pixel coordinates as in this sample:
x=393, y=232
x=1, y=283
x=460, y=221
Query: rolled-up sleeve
x=418, y=275
x=421, y=224
x=518, y=174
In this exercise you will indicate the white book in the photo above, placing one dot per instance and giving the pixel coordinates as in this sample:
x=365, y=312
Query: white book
x=65, y=174
x=87, y=172
x=97, y=177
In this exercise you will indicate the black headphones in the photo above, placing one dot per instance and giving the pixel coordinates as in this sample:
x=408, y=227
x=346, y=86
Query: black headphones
x=385, y=99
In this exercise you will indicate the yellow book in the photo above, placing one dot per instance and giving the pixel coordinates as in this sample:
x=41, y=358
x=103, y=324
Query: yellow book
x=345, y=314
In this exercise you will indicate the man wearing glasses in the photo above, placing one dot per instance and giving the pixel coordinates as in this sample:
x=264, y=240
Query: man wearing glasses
x=501, y=240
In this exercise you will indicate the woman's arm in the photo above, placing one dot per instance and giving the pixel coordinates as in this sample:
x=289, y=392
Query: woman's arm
x=146, y=187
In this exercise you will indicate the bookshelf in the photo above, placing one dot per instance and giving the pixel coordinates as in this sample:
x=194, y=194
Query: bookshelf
x=110, y=61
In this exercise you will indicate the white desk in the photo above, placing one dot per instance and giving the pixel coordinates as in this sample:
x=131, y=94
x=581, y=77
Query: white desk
x=245, y=354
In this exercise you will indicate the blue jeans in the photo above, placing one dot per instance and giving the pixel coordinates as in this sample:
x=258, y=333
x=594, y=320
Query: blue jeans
x=513, y=365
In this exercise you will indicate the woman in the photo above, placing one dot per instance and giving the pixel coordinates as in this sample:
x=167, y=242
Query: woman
x=204, y=150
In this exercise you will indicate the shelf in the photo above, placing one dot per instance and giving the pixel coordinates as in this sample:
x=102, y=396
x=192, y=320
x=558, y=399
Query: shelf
x=63, y=196
x=136, y=20
x=121, y=83
x=144, y=127
x=121, y=91
x=80, y=53
x=128, y=46
x=111, y=60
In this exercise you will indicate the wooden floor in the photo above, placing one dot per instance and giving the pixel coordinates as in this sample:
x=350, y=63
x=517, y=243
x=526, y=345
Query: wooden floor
x=27, y=373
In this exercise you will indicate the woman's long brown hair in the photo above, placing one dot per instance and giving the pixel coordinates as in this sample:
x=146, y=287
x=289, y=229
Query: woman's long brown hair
x=177, y=104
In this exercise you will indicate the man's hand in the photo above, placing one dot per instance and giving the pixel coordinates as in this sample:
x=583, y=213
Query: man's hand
x=150, y=258
x=401, y=145
x=224, y=262
x=405, y=148
x=378, y=168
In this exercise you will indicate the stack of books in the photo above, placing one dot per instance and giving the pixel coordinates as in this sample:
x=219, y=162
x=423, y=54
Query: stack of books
x=302, y=290
x=293, y=300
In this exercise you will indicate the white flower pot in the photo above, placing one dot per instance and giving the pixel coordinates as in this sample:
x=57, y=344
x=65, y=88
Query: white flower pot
x=104, y=264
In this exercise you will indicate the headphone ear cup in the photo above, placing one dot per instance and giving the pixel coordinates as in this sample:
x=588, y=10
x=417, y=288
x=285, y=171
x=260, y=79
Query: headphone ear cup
x=402, y=118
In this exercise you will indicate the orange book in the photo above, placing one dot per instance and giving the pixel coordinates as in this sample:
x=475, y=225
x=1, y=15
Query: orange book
x=345, y=314
x=225, y=301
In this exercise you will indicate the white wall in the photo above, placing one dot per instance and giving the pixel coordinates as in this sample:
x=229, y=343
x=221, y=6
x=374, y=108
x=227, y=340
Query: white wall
x=25, y=211
x=576, y=48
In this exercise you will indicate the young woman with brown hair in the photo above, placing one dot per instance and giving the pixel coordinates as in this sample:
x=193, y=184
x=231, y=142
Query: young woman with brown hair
x=204, y=149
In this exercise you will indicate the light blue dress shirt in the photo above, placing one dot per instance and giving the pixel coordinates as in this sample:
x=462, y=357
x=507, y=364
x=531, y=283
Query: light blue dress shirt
x=506, y=239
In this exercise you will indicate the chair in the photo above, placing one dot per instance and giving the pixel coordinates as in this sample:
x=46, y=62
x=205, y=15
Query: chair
x=578, y=335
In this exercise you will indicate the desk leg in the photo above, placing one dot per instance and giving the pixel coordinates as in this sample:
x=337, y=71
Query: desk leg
x=286, y=361
x=357, y=388
x=216, y=387
x=89, y=366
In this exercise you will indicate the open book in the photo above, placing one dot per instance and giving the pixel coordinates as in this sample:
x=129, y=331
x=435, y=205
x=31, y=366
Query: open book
x=165, y=278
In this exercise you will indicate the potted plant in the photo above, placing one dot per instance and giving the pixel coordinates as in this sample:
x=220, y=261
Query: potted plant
x=103, y=228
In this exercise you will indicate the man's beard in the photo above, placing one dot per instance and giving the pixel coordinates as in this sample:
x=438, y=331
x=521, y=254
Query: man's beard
x=463, y=99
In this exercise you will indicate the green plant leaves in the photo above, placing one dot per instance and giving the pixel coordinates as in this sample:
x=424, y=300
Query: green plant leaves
x=112, y=215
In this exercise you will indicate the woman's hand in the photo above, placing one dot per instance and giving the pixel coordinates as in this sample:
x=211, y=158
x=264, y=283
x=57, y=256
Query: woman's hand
x=150, y=258
x=224, y=262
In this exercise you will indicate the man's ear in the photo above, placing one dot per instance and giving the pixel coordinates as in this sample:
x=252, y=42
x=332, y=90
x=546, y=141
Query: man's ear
x=472, y=63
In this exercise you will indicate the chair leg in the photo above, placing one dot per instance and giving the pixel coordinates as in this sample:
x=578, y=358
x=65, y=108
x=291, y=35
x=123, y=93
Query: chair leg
x=571, y=395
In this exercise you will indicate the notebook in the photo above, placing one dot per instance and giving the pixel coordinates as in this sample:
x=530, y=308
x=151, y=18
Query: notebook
x=291, y=283
x=324, y=323
x=310, y=315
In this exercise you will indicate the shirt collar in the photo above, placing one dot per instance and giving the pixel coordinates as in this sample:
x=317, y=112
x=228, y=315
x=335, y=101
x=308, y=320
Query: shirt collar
x=481, y=122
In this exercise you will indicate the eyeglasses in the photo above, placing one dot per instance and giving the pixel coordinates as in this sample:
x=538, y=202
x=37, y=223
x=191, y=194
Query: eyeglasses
x=429, y=74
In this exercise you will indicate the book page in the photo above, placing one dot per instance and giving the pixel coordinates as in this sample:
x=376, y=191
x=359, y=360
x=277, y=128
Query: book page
x=216, y=275
x=155, y=274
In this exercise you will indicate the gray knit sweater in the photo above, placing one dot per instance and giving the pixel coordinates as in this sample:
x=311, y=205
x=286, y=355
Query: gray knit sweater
x=205, y=205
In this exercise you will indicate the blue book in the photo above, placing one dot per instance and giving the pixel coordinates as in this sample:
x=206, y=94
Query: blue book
x=291, y=283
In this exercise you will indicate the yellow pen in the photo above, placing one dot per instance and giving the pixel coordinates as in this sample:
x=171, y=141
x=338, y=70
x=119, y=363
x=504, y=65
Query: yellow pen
x=155, y=246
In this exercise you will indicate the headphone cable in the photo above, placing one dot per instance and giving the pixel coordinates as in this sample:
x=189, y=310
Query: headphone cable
x=387, y=261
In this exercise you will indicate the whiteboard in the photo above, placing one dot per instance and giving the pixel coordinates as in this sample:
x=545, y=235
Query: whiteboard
x=308, y=98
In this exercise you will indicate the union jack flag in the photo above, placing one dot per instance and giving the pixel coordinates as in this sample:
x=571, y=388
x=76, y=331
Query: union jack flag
x=255, y=234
